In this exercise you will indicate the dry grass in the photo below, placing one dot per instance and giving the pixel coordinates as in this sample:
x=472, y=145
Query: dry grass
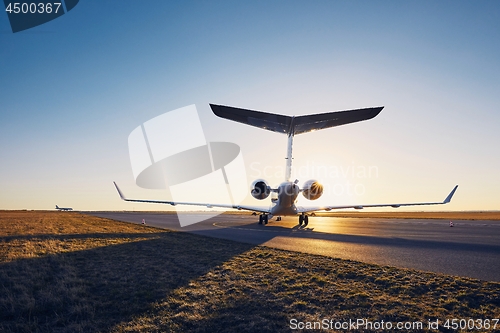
x=29, y=223
x=67, y=272
x=262, y=289
x=31, y=235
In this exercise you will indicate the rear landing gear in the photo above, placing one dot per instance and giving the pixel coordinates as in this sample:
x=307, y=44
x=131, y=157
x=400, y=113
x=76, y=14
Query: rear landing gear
x=303, y=219
x=278, y=218
x=263, y=219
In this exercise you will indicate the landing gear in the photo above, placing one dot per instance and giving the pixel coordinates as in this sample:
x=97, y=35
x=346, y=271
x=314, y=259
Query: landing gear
x=263, y=219
x=278, y=218
x=303, y=219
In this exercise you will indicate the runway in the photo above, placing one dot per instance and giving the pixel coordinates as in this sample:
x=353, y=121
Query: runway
x=470, y=248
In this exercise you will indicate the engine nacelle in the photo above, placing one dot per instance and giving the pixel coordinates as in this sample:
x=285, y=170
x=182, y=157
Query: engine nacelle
x=260, y=189
x=312, y=189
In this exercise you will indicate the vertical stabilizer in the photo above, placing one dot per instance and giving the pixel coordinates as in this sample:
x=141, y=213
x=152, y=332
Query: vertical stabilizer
x=292, y=125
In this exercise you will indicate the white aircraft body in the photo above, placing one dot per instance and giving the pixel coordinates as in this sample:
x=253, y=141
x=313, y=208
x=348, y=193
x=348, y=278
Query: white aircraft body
x=287, y=192
x=63, y=208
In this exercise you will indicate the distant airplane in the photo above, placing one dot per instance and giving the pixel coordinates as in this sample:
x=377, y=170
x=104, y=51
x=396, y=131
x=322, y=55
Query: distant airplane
x=287, y=192
x=63, y=208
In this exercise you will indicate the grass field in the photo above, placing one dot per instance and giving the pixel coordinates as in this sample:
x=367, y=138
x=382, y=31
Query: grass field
x=69, y=272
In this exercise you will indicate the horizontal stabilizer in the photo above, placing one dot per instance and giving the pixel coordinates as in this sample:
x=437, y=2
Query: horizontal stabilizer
x=294, y=124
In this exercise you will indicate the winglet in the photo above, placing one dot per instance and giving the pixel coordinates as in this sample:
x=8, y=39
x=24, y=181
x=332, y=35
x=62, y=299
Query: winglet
x=119, y=192
x=448, y=198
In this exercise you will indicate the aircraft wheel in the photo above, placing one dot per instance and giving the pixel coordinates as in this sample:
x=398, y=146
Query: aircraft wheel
x=261, y=219
x=266, y=219
x=301, y=219
x=306, y=220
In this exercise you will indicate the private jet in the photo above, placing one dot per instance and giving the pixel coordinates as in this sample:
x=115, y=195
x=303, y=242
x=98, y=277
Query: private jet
x=285, y=195
x=63, y=208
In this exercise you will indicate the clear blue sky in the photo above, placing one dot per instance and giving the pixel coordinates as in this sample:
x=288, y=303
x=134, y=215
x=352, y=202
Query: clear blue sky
x=73, y=89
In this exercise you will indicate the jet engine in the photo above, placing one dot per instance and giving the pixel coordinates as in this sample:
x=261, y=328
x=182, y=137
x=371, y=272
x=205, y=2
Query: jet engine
x=312, y=189
x=260, y=189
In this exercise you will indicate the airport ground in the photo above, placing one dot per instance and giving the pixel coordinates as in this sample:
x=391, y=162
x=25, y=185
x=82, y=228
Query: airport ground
x=73, y=272
x=471, y=248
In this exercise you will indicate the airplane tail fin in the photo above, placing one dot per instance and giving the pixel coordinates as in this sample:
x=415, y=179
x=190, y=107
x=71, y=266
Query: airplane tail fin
x=292, y=125
x=57, y=207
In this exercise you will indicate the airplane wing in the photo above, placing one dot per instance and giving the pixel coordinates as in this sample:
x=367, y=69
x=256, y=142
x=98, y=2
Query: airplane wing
x=328, y=208
x=208, y=205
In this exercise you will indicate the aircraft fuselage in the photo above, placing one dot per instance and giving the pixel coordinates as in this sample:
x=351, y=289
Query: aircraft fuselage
x=287, y=196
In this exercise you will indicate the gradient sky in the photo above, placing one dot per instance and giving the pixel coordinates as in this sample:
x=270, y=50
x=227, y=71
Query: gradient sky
x=73, y=89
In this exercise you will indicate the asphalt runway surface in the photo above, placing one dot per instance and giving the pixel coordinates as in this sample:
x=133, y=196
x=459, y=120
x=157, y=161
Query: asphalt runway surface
x=470, y=248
